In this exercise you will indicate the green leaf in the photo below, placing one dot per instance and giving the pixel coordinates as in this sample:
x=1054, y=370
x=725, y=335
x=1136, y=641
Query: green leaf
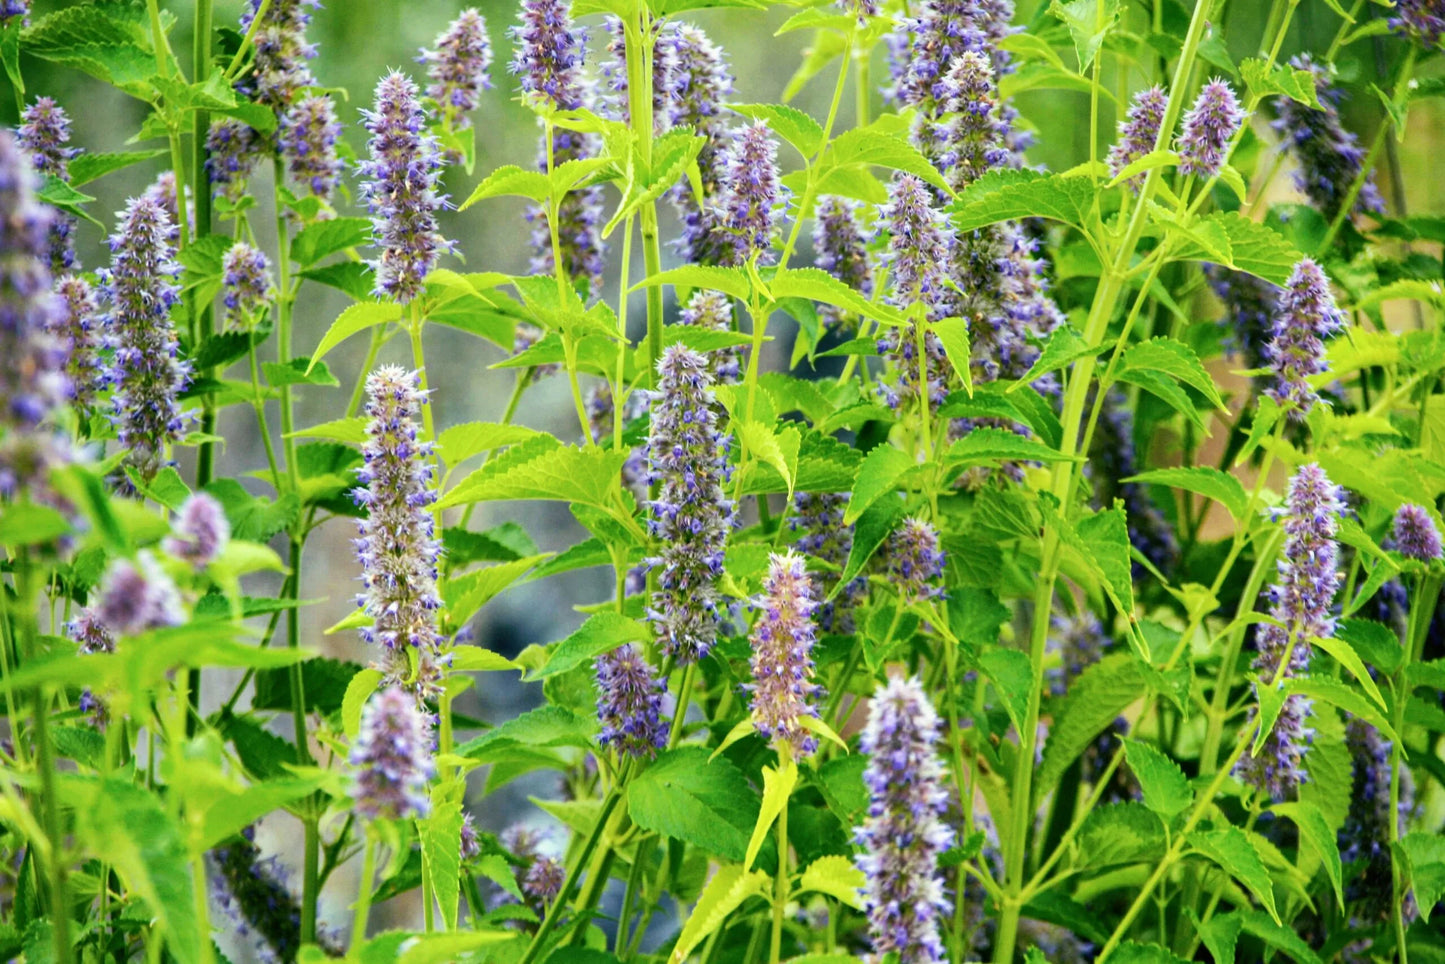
x=465, y=595
x=356, y=318
x=1012, y=676
x=872, y=146
x=563, y=474
x=1176, y=360
x=110, y=42
x=870, y=530
x=952, y=335
x=1231, y=848
x=317, y=241
x=1293, y=82
x=725, y=893
x=789, y=123
x=1120, y=833
x=1315, y=831
x=441, y=842
x=1064, y=347
x=1089, y=21
x=358, y=691
x=544, y=727
x=1010, y=195
x=883, y=471
x=30, y=524
x=730, y=281
x=1094, y=700
x=1166, y=789
x=1278, y=936
x=1208, y=482
x=814, y=284
x=1104, y=540
x=131, y=828
x=325, y=682
x=601, y=633
x=778, y=786
x=1252, y=247
x=504, y=543
x=1350, y=660
x=511, y=180
x=349, y=430
x=686, y=796
x=475, y=659
x=92, y=167
x=1338, y=694
x=1425, y=857
x=1220, y=934
x=777, y=449
x=299, y=371
x=1132, y=952
x=988, y=444
x=836, y=876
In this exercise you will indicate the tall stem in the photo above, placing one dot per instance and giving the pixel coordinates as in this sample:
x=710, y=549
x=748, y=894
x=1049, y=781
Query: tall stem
x=554, y=911
x=780, y=882
x=637, y=49
x=363, y=899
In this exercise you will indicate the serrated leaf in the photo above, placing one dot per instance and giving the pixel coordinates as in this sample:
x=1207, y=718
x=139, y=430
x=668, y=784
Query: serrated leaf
x=356, y=318
x=1425, y=858
x=350, y=430
x=952, y=335
x=874, y=147
x=837, y=877
x=814, y=284
x=1089, y=21
x=601, y=633
x=299, y=371
x=358, y=691
x=1231, y=849
x=1338, y=694
x=441, y=842
x=91, y=167
x=1012, y=676
x=730, y=281
x=465, y=595
x=1132, y=952
x=1176, y=360
x=686, y=796
x=789, y=123
x=316, y=241
x=1166, y=789
x=1208, y=482
x=725, y=893
x=989, y=444
x=1253, y=248
x=1120, y=833
x=1010, y=195
x=544, y=727
x=1284, y=80
x=1315, y=831
x=778, y=786
x=1064, y=347
x=884, y=469
x=510, y=180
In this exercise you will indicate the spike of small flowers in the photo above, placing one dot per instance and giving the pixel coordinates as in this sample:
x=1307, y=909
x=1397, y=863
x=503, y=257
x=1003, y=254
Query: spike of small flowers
x=393, y=758
x=146, y=368
x=401, y=190
x=1300, y=600
x=819, y=517
x=396, y=545
x=1207, y=129
x=138, y=595
x=1366, y=832
x=782, y=640
x=691, y=516
x=713, y=311
x=700, y=86
x=1415, y=534
x=920, y=244
x=904, y=833
x=78, y=328
x=233, y=149
x=914, y=561
x=665, y=77
x=200, y=532
x=282, y=51
x=629, y=703
x=458, y=68
x=1250, y=305
x=543, y=880
x=307, y=138
x=1306, y=316
x=549, y=53
x=971, y=135
x=750, y=200
x=1080, y=641
x=165, y=191
x=91, y=637
x=1330, y=158
x=44, y=133
x=1138, y=132
x=471, y=843
x=1423, y=21
x=245, y=281
x=254, y=892
x=840, y=248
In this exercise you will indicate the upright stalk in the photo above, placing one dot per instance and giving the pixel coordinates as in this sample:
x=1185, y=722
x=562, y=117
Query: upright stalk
x=637, y=49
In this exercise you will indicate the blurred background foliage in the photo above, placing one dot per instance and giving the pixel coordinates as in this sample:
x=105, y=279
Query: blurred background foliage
x=359, y=40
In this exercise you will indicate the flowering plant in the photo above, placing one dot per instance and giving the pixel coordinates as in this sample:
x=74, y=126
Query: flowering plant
x=1023, y=564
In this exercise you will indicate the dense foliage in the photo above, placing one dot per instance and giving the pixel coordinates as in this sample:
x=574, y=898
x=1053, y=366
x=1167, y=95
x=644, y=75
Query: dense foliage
x=1021, y=564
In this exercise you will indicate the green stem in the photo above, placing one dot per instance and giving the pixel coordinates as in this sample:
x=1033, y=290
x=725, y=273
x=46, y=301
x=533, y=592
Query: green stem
x=684, y=696
x=554, y=910
x=780, y=881
x=1420, y=617
x=363, y=898
x=637, y=50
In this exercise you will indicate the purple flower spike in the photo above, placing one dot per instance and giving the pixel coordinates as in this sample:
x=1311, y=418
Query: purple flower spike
x=1250, y=305
x=1138, y=132
x=1423, y=21
x=44, y=133
x=920, y=244
x=396, y=544
x=401, y=190
x=750, y=202
x=1415, y=534
x=1366, y=833
x=713, y=311
x=233, y=150
x=819, y=517
x=136, y=596
x=1207, y=129
x=471, y=843
x=245, y=281
x=700, y=85
x=307, y=139
x=78, y=327
x=1329, y=156
x=841, y=249
x=1080, y=641
x=458, y=68
x=393, y=758
x=691, y=516
x=1300, y=599
x=782, y=639
x=549, y=53
x=914, y=562
x=543, y=880
x=146, y=368
x=905, y=832
x=200, y=532
x=280, y=70
x=1305, y=318
x=629, y=703
x=972, y=136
